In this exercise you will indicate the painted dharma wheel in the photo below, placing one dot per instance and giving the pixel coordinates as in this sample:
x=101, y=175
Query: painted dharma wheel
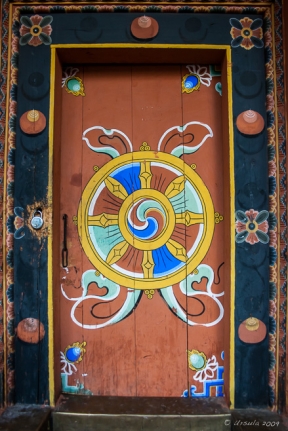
x=146, y=220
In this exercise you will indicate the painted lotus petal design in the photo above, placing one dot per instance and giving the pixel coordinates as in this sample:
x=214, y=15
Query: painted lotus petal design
x=207, y=372
x=113, y=291
x=202, y=72
x=204, y=271
x=186, y=134
x=109, y=138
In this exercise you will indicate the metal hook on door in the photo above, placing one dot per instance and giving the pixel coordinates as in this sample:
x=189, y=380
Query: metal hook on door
x=65, y=249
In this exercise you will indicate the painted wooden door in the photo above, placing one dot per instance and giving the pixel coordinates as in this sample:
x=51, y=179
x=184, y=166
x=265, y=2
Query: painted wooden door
x=141, y=185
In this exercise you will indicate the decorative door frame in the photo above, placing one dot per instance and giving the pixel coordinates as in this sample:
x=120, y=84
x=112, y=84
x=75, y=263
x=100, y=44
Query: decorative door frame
x=277, y=201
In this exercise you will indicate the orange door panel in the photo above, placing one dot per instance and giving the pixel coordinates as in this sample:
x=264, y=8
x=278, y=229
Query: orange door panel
x=141, y=185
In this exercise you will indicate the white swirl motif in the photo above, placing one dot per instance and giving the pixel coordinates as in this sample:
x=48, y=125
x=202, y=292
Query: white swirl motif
x=111, y=151
x=186, y=288
x=113, y=291
x=184, y=149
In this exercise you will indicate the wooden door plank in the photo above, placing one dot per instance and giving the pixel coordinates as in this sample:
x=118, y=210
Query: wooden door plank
x=203, y=106
x=71, y=188
x=107, y=104
x=160, y=335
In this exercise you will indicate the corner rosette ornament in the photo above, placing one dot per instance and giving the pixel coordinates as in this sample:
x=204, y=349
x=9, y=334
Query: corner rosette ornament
x=252, y=227
x=35, y=30
x=246, y=33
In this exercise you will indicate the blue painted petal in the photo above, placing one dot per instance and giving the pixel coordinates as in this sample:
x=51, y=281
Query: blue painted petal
x=25, y=39
x=263, y=237
x=237, y=42
x=258, y=43
x=236, y=23
x=45, y=39
x=46, y=21
x=241, y=216
x=262, y=216
x=25, y=20
x=257, y=23
x=240, y=237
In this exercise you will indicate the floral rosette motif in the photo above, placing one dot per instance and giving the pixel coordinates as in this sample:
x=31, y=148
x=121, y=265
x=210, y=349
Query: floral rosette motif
x=207, y=372
x=246, y=33
x=35, y=30
x=252, y=226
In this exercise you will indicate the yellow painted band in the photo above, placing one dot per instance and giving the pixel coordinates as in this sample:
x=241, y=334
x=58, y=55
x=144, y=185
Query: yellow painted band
x=50, y=255
x=232, y=231
x=141, y=45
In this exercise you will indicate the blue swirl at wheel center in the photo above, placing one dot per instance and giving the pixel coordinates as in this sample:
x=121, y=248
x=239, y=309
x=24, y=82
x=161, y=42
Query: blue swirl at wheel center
x=143, y=226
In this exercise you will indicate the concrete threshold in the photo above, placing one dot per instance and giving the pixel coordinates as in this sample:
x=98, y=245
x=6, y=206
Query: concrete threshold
x=92, y=413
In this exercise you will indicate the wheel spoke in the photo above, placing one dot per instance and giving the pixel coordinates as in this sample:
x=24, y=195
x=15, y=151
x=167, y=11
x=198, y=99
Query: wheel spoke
x=188, y=218
x=175, y=187
x=148, y=264
x=116, y=188
x=145, y=175
x=117, y=252
x=103, y=220
x=177, y=250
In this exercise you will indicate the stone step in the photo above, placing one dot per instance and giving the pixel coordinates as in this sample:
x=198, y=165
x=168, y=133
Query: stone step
x=25, y=417
x=92, y=413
